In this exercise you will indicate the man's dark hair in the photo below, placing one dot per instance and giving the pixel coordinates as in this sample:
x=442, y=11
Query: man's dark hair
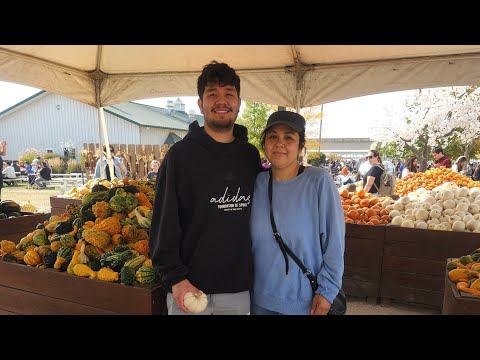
x=217, y=73
x=438, y=150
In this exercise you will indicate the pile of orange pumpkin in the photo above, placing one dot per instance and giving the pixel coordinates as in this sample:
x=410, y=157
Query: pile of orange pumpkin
x=363, y=208
x=431, y=179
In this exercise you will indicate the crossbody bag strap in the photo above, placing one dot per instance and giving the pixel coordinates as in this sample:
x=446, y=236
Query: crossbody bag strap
x=283, y=247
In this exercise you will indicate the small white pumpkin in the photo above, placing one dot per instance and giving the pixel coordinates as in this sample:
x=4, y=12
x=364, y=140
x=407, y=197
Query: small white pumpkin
x=195, y=304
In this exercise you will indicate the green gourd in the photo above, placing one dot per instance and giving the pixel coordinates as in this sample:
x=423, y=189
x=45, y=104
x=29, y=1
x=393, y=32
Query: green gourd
x=146, y=275
x=127, y=275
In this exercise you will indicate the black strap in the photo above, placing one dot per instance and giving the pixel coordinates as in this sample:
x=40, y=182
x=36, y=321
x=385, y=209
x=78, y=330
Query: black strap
x=283, y=247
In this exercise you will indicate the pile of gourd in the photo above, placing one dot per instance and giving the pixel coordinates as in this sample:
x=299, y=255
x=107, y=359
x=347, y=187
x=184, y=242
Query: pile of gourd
x=465, y=273
x=447, y=207
x=105, y=238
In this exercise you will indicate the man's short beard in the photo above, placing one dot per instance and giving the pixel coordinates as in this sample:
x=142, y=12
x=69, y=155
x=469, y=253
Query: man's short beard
x=221, y=125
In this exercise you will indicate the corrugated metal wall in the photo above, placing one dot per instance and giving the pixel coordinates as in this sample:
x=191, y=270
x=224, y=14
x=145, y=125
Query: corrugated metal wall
x=51, y=120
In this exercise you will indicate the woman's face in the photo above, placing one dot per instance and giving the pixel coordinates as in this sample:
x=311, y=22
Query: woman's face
x=372, y=159
x=414, y=162
x=281, y=146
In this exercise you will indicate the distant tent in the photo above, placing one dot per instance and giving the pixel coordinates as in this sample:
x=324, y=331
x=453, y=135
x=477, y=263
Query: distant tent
x=172, y=139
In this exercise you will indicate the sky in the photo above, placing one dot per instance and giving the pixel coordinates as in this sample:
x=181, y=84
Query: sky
x=342, y=119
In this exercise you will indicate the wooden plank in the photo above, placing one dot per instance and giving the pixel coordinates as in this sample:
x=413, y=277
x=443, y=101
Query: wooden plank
x=412, y=280
x=133, y=164
x=417, y=266
x=428, y=244
x=108, y=296
x=5, y=312
x=15, y=237
x=357, y=273
x=363, y=245
x=360, y=288
x=414, y=296
x=365, y=232
x=27, y=303
x=20, y=224
x=156, y=151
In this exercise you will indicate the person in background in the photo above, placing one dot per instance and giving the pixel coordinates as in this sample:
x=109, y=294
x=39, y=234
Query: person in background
x=121, y=163
x=309, y=216
x=16, y=166
x=116, y=165
x=371, y=180
x=440, y=158
x=9, y=171
x=410, y=166
x=152, y=175
x=36, y=164
x=460, y=165
x=3, y=152
x=43, y=175
x=199, y=237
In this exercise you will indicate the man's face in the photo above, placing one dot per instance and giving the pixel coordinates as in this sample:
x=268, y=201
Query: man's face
x=437, y=156
x=219, y=106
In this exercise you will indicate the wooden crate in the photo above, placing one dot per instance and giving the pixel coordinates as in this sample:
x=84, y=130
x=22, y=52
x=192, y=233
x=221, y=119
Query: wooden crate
x=16, y=228
x=58, y=204
x=363, y=260
x=32, y=291
x=413, y=267
x=456, y=303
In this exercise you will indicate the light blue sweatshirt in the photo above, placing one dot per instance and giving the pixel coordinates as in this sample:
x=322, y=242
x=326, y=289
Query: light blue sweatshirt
x=309, y=217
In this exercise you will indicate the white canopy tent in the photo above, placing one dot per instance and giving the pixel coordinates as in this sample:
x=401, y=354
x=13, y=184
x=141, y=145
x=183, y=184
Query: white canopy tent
x=288, y=75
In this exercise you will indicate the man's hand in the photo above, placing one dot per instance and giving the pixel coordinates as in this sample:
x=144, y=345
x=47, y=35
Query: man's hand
x=180, y=289
x=320, y=305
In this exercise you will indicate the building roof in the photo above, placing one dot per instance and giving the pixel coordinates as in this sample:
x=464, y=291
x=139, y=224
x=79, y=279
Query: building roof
x=172, y=139
x=140, y=114
x=151, y=116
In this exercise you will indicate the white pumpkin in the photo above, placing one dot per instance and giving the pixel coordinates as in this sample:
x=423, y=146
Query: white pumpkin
x=195, y=303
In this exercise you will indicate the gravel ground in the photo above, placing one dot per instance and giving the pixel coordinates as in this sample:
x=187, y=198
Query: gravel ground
x=358, y=306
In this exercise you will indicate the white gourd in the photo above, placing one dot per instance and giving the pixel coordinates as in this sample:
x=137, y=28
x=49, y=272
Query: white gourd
x=195, y=304
x=458, y=226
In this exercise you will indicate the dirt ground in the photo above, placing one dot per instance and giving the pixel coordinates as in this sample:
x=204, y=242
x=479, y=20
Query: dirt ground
x=359, y=306
x=20, y=194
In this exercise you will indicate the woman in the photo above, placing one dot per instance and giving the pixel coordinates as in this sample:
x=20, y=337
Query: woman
x=460, y=165
x=410, y=166
x=371, y=180
x=309, y=217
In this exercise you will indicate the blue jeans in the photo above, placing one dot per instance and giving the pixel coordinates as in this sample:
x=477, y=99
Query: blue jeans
x=258, y=310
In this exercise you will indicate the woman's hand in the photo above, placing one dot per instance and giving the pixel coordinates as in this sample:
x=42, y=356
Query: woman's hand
x=320, y=305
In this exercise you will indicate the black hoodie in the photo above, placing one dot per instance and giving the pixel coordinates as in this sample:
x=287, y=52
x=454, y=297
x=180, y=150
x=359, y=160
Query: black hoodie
x=200, y=225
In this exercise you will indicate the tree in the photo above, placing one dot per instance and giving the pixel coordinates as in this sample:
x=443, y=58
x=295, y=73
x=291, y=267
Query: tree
x=316, y=158
x=434, y=117
x=254, y=118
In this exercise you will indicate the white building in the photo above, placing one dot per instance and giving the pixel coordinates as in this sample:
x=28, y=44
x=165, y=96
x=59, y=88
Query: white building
x=48, y=122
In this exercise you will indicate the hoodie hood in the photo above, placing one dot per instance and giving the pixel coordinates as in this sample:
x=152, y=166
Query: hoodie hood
x=197, y=134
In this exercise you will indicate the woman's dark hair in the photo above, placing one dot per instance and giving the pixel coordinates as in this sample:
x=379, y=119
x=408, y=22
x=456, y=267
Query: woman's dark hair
x=301, y=144
x=377, y=155
x=217, y=73
x=409, y=164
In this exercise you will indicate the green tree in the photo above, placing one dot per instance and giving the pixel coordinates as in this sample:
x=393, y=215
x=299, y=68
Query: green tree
x=254, y=118
x=316, y=158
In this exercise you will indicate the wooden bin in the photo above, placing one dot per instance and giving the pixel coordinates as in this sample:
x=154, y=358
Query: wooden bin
x=457, y=303
x=414, y=262
x=363, y=260
x=59, y=204
x=32, y=291
x=16, y=228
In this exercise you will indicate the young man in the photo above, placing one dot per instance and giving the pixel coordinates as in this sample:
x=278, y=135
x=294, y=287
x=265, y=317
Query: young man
x=200, y=238
x=440, y=158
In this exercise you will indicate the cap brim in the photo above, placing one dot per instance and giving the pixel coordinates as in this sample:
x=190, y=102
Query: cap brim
x=289, y=124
